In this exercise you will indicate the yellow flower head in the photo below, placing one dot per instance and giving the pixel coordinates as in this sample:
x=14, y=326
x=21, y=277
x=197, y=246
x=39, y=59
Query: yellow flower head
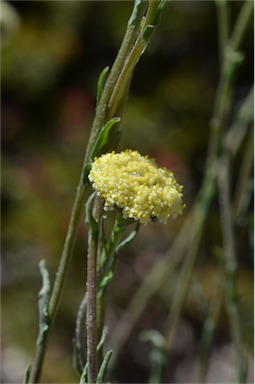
x=136, y=185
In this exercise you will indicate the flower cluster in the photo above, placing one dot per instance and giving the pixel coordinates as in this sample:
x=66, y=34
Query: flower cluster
x=136, y=185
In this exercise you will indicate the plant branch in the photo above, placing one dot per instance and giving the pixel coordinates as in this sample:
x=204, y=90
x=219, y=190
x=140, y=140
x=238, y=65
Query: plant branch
x=133, y=26
x=241, y=25
x=92, y=293
x=209, y=327
x=192, y=229
x=230, y=259
x=244, y=174
x=139, y=46
x=223, y=26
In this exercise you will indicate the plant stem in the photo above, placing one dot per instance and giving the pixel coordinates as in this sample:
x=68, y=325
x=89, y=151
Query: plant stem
x=60, y=278
x=192, y=228
x=230, y=258
x=124, y=50
x=82, y=190
x=92, y=292
x=223, y=26
x=209, y=327
x=221, y=112
x=91, y=307
x=133, y=57
x=244, y=174
x=200, y=214
x=153, y=282
x=241, y=25
x=39, y=357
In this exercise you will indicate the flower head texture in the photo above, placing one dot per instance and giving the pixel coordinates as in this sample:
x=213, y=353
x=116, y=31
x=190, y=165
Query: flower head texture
x=135, y=184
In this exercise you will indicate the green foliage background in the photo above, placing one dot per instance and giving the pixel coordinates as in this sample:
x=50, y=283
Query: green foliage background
x=52, y=54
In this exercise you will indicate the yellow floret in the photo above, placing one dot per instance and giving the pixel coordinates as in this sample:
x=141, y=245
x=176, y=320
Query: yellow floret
x=135, y=184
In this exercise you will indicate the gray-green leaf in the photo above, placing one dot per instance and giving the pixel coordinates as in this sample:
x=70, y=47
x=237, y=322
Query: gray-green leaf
x=43, y=301
x=100, y=85
x=84, y=376
x=138, y=4
x=128, y=239
x=89, y=220
x=103, y=135
x=27, y=375
x=103, y=369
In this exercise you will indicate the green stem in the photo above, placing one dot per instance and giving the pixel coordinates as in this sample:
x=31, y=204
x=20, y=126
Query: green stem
x=124, y=50
x=230, y=258
x=221, y=112
x=125, y=74
x=209, y=327
x=244, y=174
x=151, y=13
x=200, y=215
x=192, y=228
x=82, y=191
x=161, y=273
x=223, y=26
x=39, y=357
x=136, y=52
x=67, y=251
x=241, y=25
x=60, y=278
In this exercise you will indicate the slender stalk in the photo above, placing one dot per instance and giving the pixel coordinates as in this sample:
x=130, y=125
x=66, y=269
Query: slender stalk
x=125, y=74
x=135, y=54
x=60, y=278
x=221, y=112
x=124, y=50
x=241, y=25
x=230, y=259
x=233, y=141
x=39, y=357
x=192, y=227
x=92, y=308
x=82, y=191
x=100, y=325
x=153, y=282
x=209, y=328
x=223, y=26
x=244, y=174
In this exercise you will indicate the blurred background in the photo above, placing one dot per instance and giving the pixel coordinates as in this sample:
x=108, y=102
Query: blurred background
x=52, y=55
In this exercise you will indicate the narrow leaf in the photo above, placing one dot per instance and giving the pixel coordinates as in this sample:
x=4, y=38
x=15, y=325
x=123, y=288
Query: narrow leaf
x=89, y=220
x=147, y=32
x=100, y=141
x=161, y=6
x=84, y=376
x=102, y=137
x=103, y=369
x=128, y=239
x=154, y=337
x=43, y=301
x=243, y=369
x=75, y=359
x=100, y=85
x=86, y=171
x=105, y=280
x=138, y=4
x=102, y=340
x=27, y=375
